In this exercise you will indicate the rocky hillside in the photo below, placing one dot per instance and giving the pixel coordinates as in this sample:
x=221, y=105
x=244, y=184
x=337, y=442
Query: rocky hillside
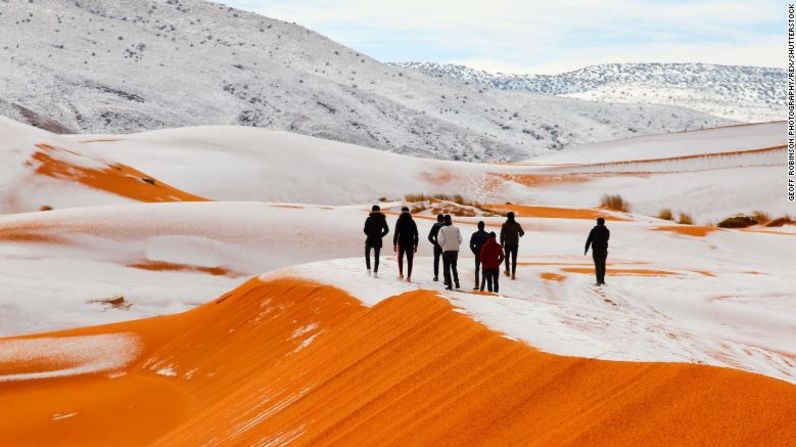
x=736, y=92
x=111, y=66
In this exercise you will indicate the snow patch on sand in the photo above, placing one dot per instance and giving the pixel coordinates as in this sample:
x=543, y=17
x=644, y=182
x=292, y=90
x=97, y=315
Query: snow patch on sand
x=62, y=416
x=50, y=357
x=167, y=371
x=636, y=318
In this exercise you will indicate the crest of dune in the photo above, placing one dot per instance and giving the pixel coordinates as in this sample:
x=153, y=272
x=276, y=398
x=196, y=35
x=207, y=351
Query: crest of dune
x=291, y=361
x=61, y=163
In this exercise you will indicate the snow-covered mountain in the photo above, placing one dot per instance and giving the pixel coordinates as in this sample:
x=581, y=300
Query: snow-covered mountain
x=737, y=92
x=116, y=66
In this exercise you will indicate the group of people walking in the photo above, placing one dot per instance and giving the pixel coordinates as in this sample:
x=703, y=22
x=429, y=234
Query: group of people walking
x=446, y=238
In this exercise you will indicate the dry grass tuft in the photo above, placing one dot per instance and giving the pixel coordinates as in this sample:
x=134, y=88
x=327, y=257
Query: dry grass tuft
x=456, y=205
x=738, y=221
x=685, y=219
x=761, y=217
x=615, y=202
x=455, y=198
x=780, y=221
x=665, y=214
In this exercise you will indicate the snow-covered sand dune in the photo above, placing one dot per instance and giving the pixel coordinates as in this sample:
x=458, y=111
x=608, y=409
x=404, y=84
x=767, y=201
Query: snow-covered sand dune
x=719, y=299
x=709, y=174
x=300, y=363
x=315, y=331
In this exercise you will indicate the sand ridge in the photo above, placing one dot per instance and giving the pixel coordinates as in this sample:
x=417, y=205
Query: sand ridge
x=294, y=360
x=115, y=178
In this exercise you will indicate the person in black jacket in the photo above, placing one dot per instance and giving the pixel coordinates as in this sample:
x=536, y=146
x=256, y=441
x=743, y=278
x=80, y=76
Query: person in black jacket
x=476, y=242
x=432, y=237
x=598, y=240
x=510, y=234
x=375, y=229
x=405, y=240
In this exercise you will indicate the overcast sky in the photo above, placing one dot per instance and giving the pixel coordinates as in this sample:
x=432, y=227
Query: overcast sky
x=534, y=36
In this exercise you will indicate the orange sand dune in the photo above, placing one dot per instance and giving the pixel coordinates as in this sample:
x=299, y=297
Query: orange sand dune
x=30, y=233
x=554, y=212
x=294, y=361
x=438, y=177
x=711, y=155
x=288, y=206
x=101, y=140
x=550, y=276
x=564, y=178
x=173, y=267
x=543, y=180
x=547, y=179
x=621, y=272
x=117, y=178
x=763, y=230
x=688, y=230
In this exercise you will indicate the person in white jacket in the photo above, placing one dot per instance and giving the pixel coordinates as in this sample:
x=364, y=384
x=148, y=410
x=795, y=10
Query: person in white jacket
x=450, y=239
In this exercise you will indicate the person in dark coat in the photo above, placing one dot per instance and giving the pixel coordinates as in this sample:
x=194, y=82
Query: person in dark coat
x=476, y=241
x=432, y=237
x=510, y=234
x=375, y=229
x=405, y=240
x=491, y=257
x=598, y=240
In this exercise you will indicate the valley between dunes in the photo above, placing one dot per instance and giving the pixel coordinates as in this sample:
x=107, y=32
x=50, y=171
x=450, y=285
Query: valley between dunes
x=222, y=299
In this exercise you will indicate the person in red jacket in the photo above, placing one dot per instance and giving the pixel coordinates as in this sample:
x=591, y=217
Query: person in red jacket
x=491, y=258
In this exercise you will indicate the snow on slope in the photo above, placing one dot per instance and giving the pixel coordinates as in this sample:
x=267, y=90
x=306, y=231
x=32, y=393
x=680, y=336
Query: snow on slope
x=109, y=66
x=42, y=170
x=722, y=299
x=237, y=163
x=742, y=93
x=711, y=174
x=21, y=189
x=682, y=144
x=696, y=301
x=64, y=268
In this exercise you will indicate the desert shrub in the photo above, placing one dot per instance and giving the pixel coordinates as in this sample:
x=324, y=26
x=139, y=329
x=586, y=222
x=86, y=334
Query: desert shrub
x=738, y=221
x=45, y=208
x=455, y=198
x=685, y=219
x=447, y=204
x=416, y=197
x=665, y=214
x=761, y=217
x=615, y=202
x=780, y=221
x=382, y=199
